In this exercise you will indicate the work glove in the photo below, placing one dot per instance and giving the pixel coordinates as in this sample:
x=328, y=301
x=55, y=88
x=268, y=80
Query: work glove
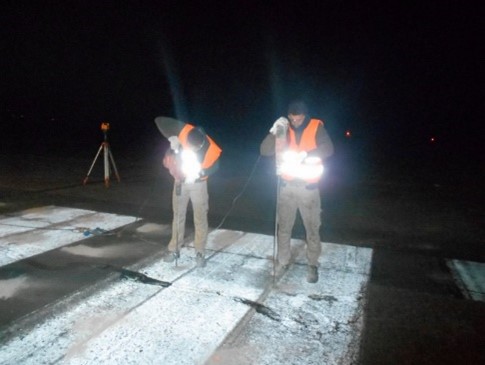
x=279, y=127
x=174, y=143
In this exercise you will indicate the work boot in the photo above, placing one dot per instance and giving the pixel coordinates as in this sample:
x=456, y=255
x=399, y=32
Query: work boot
x=312, y=274
x=171, y=256
x=200, y=260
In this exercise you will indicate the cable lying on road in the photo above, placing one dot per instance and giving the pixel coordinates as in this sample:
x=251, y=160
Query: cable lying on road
x=125, y=273
x=142, y=278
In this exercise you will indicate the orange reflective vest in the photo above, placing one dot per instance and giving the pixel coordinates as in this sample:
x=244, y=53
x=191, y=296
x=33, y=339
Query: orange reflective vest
x=212, y=153
x=308, y=142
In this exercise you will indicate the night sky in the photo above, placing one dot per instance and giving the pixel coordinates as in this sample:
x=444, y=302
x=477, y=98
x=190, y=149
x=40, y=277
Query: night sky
x=396, y=75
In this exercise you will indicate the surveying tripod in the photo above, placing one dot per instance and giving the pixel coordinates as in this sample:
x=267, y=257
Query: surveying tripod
x=108, y=156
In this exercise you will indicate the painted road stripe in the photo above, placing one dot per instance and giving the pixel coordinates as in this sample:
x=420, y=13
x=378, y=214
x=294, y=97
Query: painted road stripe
x=40, y=217
x=131, y=322
x=35, y=231
x=470, y=277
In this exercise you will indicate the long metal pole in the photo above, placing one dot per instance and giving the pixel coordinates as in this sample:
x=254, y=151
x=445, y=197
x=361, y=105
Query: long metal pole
x=178, y=192
x=280, y=143
x=275, y=239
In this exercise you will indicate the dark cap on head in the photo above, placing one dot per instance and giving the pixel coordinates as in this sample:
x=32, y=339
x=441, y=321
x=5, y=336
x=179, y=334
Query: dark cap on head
x=297, y=107
x=196, y=138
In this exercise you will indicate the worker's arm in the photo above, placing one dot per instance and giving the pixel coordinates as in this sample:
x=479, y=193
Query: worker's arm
x=279, y=129
x=170, y=163
x=324, y=143
x=209, y=171
x=201, y=155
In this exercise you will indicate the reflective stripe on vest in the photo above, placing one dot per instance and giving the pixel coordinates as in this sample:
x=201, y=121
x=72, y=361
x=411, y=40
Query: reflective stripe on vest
x=212, y=153
x=308, y=142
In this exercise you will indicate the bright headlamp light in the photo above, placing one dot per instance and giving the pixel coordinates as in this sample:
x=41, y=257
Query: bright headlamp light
x=190, y=165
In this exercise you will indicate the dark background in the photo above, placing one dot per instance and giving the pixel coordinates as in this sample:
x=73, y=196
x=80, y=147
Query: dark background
x=395, y=75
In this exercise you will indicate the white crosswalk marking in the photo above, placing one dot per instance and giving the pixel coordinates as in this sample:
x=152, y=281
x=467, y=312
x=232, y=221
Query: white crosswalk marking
x=38, y=230
x=470, y=277
x=131, y=322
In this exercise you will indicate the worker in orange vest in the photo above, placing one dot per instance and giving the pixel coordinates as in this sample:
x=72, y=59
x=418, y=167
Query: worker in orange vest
x=301, y=146
x=192, y=157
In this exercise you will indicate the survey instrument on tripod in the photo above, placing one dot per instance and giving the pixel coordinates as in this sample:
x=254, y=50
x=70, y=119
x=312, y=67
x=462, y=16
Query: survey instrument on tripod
x=107, y=157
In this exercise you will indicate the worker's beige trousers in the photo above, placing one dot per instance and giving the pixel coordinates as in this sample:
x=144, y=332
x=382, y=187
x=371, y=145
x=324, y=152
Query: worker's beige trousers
x=197, y=194
x=293, y=197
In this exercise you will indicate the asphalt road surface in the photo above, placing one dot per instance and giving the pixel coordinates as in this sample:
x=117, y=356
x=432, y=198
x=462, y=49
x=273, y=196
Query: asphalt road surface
x=415, y=312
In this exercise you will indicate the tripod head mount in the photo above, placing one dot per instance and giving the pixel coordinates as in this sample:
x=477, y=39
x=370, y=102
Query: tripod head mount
x=105, y=128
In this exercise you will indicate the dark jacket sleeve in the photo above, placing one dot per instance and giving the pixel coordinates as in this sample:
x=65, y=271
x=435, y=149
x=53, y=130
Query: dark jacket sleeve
x=325, y=147
x=211, y=169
